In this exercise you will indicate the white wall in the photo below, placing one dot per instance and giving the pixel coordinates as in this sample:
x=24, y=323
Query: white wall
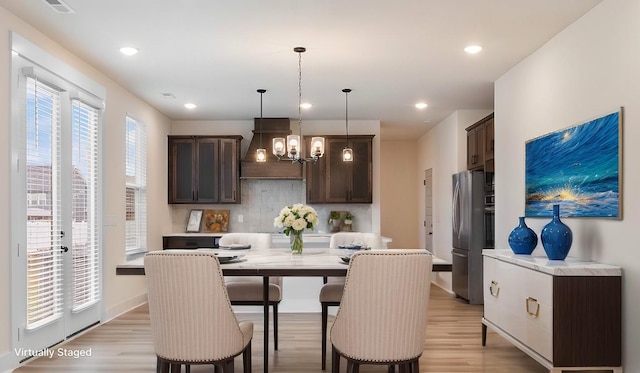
x=444, y=150
x=399, y=185
x=119, y=293
x=589, y=69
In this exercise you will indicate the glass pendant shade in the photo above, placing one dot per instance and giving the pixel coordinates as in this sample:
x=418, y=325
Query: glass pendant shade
x=261, y=155
x=347, y=155
x=293, y=147
x=279, y=146
x=317, y=147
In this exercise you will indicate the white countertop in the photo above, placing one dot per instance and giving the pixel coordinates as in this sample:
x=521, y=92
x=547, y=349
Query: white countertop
x=568, y=267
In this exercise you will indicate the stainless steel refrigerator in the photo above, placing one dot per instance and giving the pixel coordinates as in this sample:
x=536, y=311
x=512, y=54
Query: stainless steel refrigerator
x=468, y=235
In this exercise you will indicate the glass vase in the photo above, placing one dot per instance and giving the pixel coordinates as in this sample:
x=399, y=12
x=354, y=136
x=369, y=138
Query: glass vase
x=295, y=238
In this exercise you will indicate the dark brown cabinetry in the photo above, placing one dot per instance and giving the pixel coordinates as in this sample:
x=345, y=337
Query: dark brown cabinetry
x=190, y=241
x=480, y=143
x=488, y=140
x=332, y=180
x=204, y=169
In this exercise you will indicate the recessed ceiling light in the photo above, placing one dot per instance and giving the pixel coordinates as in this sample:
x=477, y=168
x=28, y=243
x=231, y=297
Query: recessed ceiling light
x=190, y=105
x=421, y=105
x=305, y=105
x=473, y=49
x=128, y=51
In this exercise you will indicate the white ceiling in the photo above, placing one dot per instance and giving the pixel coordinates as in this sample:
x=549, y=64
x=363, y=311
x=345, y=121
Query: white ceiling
x=392, y=54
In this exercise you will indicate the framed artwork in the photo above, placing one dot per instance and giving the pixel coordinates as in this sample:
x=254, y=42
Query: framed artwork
x=195, y=218
x=216, y=221
x=578, y=168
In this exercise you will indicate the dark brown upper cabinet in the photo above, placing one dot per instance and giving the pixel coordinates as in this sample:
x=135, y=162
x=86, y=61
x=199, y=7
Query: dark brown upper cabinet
x=204, y=169
x=480, y=143
x=331, y=180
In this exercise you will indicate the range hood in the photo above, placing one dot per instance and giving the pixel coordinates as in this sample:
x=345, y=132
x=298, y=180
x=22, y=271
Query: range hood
x=272, y=168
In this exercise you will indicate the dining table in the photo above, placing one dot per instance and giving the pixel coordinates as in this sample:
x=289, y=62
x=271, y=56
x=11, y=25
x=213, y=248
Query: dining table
x=316, y=262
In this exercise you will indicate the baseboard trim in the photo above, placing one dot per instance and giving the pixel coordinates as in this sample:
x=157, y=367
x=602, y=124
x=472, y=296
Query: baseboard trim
x=123, y=307
x=8, y=362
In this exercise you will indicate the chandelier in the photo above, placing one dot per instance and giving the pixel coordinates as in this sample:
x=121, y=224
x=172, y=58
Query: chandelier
x=293, y=144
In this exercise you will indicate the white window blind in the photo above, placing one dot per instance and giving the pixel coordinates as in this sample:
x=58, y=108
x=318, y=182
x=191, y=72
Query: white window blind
x=136, y=186
x=44, y=224
x=85, y=246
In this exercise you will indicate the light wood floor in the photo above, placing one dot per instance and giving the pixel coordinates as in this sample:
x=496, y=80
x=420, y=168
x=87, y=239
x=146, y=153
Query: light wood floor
x=453, y=344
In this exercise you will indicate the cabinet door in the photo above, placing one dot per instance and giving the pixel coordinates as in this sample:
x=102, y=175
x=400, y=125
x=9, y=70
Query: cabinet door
x=471, y=149
x=315, y=178
x=181, y=171
x=229, y=155
x=489, y=140
x=481, y=134
x=207, y=165
x=338, y=180
x=361, y=190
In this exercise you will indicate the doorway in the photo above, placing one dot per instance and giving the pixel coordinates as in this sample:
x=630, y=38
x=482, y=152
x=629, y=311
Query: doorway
x=55, y=206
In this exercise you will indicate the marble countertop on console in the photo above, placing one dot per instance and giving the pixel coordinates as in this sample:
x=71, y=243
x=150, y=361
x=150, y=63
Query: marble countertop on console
x=568, y=267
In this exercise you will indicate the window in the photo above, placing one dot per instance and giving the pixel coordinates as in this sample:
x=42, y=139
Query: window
x=136, y=186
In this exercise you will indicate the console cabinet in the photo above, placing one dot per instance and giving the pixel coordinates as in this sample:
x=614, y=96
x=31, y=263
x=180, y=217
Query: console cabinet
x=204, y=169
x=567, y=315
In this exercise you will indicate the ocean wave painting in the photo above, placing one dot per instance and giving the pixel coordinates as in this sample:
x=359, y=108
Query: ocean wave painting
x=577, y=168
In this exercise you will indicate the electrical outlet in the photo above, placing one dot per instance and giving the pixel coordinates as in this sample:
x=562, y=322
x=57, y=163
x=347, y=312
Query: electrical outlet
x=240, y=218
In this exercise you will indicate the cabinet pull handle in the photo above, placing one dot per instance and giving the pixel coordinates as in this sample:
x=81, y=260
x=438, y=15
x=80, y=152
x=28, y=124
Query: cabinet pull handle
x=494, y=289
x=528, y=304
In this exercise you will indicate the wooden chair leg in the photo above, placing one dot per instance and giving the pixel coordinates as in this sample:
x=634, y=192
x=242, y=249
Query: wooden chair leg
x=415, y=366
x=275, y=326
x=162, y=366
x=187, y=368
x=335, y=360
x=228, y=366
x=325, y=316
x=392, y=369
x=246, y=359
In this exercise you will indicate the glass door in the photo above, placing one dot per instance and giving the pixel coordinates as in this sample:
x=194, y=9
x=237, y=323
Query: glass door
x=55, y=210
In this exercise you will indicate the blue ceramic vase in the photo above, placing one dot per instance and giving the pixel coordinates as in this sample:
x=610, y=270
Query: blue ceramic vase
x=523, y=239
x=556, y=237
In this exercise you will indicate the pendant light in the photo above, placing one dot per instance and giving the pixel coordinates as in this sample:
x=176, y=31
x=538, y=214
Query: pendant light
x=293, y=144
x=347, y=152
x=261, y=153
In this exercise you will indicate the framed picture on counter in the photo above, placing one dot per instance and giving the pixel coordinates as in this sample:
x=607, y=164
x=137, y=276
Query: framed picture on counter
x=195, y=219
x=216, y=221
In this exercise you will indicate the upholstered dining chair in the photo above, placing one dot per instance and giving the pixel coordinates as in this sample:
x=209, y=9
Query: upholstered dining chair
x=192, y=321
x=331, y=291
x=382, y=317
x=247, y=291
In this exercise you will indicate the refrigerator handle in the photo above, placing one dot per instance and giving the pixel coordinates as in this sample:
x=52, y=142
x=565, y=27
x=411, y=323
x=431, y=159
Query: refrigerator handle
x=455, y=209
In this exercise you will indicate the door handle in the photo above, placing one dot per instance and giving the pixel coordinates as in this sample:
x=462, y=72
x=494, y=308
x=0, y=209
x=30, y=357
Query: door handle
x=460, y=255
x=64, y=249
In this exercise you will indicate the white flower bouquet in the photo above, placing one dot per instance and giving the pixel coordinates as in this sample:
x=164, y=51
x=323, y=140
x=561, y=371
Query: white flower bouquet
x=296, y=218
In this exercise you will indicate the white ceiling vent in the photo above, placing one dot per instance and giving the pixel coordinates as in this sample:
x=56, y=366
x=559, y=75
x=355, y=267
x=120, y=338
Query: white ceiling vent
x=59, y=6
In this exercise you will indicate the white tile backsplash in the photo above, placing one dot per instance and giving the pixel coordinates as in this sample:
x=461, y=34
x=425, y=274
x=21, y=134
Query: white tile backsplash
x=262, y=200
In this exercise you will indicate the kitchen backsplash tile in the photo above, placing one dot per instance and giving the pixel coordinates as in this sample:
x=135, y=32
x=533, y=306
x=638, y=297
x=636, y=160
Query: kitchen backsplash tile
x=263, y=199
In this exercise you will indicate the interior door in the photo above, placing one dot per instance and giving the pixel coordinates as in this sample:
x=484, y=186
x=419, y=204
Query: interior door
x=428, y=209
x=55, y=209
